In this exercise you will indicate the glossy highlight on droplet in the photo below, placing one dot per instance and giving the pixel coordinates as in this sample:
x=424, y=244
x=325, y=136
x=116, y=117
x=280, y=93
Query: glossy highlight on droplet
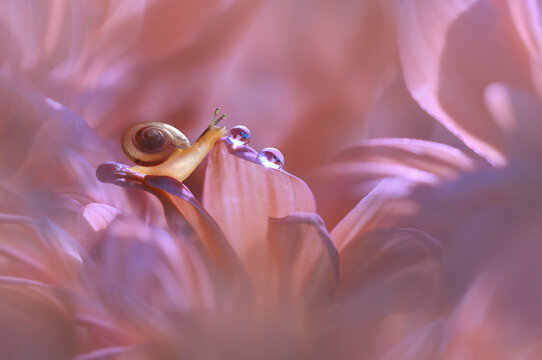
x=271, y=157
x=239, y=135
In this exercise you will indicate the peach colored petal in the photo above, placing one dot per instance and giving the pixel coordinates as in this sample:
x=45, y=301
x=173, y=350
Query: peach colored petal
x=450, y=52
x=32, y=327
x=423, y=344
x=536, y=69
x=29, y=262
x=142, y=31
x=64, y=252
x=367, y=213
x=439, y=159
x=19, y=122
x=39, y=249
x=242, y=195
x=306, y=259
x=99, y=216
x=527, y=17
x=357, y=169
x=492, y=323
x=20, y=245
x=119, y=352
x=395, y=114
x=498, y=314
x=518, y=114
x=210, y=234
x=34, y=33
x=408, y=161
x=387, y=270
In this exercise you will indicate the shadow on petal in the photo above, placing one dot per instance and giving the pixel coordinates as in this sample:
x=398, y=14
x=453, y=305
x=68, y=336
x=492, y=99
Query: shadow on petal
x=517, y=112
x=385, y=271
x=305, y=259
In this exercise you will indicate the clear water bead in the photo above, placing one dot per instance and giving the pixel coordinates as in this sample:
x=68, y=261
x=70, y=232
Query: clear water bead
x=271, y=157
x=239, y=135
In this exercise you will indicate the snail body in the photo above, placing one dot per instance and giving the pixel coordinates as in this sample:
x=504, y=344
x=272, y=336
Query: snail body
x=161, y=149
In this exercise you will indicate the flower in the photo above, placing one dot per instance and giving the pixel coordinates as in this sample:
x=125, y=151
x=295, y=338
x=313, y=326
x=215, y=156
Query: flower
x=435, y=262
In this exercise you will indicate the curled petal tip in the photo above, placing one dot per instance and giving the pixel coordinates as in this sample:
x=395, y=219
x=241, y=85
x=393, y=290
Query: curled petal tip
x=116, y=173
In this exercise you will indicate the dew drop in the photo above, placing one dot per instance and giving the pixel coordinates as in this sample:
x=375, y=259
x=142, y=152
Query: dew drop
x=271, y=157
x=239, y=135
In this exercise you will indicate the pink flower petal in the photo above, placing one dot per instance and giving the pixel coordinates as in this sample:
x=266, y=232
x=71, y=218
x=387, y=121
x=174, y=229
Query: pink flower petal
x=19, y=122
x=99, y=216
x=40, y=249
x=35, y=33
x=242, y=195
x=450, y=52
x=24, y=260
x=186, y=217
x=498, y=315
x=387, y=270
x=395, y=114
x=148, y=278
x=439, y=159
x=356, y=170
x=34, y=327
x=370, y=213
x=207, y=230
x=423, y=344
x=527, y=17
x=306, y=259
x=107, y=353
x=518, y=114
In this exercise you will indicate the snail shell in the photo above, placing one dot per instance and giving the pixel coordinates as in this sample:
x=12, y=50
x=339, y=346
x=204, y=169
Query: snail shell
x=151, y=143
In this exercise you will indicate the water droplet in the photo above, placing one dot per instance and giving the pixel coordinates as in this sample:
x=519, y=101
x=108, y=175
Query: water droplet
x=239, y=135
x=271, y=157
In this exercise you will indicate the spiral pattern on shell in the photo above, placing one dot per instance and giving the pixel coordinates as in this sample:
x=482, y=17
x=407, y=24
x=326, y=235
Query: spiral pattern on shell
x=151, y=143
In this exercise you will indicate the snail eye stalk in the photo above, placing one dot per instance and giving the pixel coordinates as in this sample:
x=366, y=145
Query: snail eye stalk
x=161, y=149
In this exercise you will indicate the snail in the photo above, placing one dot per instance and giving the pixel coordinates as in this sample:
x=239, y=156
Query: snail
x=151, y=143
x=161, y=149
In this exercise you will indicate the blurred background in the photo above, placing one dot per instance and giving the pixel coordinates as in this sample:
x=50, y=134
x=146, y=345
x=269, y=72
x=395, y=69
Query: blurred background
x=307, y=77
